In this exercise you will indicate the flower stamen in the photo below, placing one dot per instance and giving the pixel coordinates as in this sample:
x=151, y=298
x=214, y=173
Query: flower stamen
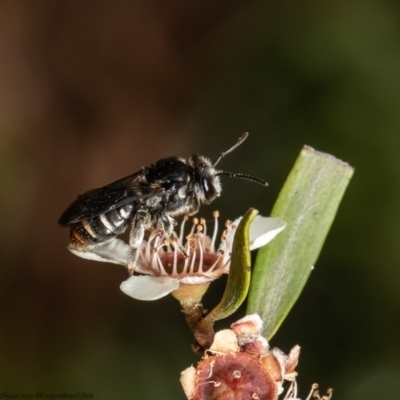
x=165, y=254
x=152, y=238
x=223, y=235
x=314, y=393
x=159, y=264
x=214, y=236
x=211, y=371
x=175, y=264
x=193, y=246
x=211, y=269
x=292, y=391
x=203, y=224
x=201, y=254
x=195, y=222
x=182, y=230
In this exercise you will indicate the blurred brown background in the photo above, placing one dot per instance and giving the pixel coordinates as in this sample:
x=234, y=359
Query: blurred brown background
x=90, y=91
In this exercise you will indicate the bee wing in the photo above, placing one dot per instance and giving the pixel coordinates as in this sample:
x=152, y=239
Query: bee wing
x=104, y=199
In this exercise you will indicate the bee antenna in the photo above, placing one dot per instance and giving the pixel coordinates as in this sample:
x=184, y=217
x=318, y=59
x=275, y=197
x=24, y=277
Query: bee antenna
x=243, y=176
x=237, y=144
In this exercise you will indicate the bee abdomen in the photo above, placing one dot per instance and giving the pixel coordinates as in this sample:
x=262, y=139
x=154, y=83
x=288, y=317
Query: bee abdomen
x=92, y=232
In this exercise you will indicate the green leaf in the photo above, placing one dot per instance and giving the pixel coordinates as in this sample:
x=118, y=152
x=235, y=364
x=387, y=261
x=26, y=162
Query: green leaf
x=308, y=203
x=238, y=282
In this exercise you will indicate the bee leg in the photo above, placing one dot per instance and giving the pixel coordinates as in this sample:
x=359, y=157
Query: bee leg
x=166, y=224
x=139, y=224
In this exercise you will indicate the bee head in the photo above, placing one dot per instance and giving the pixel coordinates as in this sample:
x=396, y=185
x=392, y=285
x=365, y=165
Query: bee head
x=206, y=182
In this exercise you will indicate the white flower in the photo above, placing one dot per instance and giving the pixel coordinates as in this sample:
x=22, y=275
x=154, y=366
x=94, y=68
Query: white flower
x=166, y=264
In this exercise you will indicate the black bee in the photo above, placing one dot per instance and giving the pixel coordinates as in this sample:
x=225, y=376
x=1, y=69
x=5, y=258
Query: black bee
x=151, y=197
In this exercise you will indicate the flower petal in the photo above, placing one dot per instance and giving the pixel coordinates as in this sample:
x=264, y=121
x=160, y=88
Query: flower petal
x=116, y=252
x=263, y=230
x=188, y=381
x=149, y=287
